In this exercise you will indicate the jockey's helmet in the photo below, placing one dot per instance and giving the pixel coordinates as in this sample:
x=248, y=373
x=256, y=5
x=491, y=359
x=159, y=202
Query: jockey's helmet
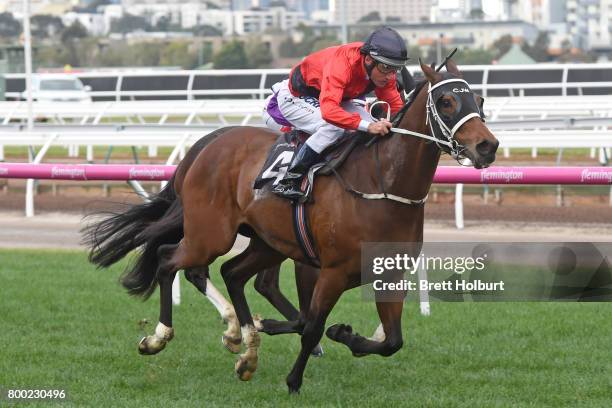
x=386, y=46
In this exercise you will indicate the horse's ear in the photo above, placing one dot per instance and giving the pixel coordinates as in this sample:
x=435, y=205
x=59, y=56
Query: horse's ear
x=431, y=75
x=452, y=68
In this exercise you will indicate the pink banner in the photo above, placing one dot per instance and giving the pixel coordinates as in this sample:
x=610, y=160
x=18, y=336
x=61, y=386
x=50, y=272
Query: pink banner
x=86, y=171
x=444, y=174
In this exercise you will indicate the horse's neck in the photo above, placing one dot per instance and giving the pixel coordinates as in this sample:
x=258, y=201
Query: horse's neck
x=411, y=161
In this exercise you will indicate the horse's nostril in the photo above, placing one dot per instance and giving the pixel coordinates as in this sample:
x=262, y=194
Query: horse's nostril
x=485, y=148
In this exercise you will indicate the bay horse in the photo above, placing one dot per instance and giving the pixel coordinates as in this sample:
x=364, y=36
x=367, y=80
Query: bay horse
x=218, y=202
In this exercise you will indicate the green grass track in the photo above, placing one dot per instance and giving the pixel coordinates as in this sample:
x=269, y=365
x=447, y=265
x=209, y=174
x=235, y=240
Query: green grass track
x=65, y=325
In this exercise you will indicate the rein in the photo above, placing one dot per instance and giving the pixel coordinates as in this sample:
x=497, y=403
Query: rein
x=446, y=139
x=376, y=196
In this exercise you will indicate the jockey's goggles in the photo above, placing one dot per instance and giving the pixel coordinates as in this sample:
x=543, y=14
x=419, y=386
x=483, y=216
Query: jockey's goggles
x=387, y=69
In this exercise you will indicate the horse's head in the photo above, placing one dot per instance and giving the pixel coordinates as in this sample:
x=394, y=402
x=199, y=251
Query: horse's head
x=454, y=117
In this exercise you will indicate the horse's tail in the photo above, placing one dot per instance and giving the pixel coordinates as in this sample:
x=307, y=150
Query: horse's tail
x=148, y=226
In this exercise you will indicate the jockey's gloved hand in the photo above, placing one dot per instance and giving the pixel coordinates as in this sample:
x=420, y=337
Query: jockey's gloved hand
x=381, y=128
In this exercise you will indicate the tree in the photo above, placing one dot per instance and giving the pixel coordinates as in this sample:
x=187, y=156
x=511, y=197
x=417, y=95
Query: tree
x=129, y=23
x=502, y=45
x=370, y=17
x=144, y=55
x=114, y=56
x=432, y=54
x=53, y=56
x=45, y=25
x=9, y=27
x=474, y=56
x=571, y=54
x=73, y=32
x=539, y=50
x=163, y=24
x=414, y=53
x=259, y=54
x=477, y=14
x=231, y=56
x=70, y=38
x=359, y=34
x=177, y=53
x=309, y=43
x=324, y=42
x=287, y=48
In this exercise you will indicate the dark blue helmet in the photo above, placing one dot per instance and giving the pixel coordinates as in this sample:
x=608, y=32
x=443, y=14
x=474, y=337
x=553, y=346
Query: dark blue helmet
x=385, y=45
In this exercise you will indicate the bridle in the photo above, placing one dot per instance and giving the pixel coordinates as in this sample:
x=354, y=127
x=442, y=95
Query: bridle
x=442, y=134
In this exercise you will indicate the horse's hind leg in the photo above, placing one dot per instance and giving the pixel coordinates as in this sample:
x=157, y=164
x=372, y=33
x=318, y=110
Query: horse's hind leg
x=200, y=279
x=236, y=272
x=267, y=285
x=165, y=275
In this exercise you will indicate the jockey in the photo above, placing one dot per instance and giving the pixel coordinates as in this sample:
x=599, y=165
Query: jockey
x=325, y=95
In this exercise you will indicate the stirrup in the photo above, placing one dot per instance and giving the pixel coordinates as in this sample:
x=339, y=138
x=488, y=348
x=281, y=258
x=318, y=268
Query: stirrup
x=291, y=191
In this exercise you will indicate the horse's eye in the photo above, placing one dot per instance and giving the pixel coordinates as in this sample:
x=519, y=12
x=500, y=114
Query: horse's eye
x=446, y=103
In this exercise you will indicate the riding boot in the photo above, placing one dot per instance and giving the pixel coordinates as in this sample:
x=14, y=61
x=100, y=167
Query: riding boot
x=289, y=186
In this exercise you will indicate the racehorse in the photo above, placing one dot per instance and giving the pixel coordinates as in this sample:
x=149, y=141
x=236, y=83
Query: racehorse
x=218, y=202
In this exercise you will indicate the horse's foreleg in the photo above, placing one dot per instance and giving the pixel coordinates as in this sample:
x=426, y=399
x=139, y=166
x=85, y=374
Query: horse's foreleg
x=305, y=281
x=200, y=279
x=163, y=331
x=385, y=342
x=328, y=289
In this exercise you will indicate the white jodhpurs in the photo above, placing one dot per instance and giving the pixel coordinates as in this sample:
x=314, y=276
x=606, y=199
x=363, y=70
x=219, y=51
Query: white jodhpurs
x=304, y=113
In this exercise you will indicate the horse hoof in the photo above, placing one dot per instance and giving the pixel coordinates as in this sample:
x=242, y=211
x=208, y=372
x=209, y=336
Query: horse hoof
x=244, y=370
x=151, y=345
x=293, y=386
x=317, y=351
x=232, y=345
x=338, y=331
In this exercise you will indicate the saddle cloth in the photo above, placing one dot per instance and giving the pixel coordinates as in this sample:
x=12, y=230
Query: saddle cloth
x=282, y=151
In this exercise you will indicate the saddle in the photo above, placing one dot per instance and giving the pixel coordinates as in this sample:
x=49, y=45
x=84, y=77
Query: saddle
x=282, y=151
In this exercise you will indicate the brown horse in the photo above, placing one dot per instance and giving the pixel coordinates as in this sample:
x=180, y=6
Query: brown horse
x=218, y=203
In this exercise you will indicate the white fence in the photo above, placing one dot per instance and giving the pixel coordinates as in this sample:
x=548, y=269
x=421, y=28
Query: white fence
x=519, y=122
x=222, y=111
x=510, y=80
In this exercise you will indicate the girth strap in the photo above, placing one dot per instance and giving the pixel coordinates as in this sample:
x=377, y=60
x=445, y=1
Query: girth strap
x=302, y=231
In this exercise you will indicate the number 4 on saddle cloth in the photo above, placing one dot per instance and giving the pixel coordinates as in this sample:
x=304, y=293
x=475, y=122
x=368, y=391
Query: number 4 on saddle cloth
x=287, y=145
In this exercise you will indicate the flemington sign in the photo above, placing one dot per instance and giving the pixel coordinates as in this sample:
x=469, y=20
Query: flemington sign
x=444, y=174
